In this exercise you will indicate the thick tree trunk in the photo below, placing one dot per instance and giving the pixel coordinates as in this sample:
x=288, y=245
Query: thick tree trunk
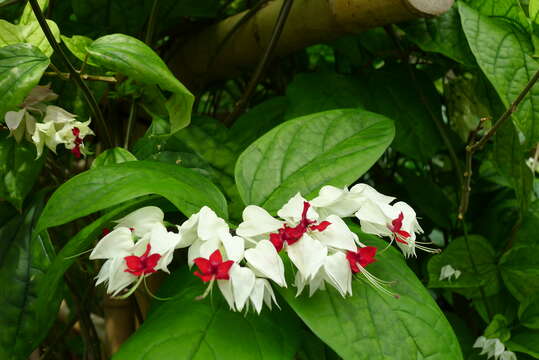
x=309, y=22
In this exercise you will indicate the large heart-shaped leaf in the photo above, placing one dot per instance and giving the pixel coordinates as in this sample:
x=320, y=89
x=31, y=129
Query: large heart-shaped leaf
x=110, y=185
x=184, y=328
x=504, y=55
x=21, y=67
x=370, y=325
x=23, y=261
x=135, y=59
x=333, y=147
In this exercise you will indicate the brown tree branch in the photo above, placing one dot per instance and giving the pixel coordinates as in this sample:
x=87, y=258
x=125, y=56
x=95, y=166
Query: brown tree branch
x=310, y=22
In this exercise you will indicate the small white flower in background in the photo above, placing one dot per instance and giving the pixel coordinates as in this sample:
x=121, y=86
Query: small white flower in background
x=23, y=123
x=532, y=164
x=448, y=272
x=129, y=257
x=205, y=232
x=493, y=348
x=60, y=127
x=307, y=237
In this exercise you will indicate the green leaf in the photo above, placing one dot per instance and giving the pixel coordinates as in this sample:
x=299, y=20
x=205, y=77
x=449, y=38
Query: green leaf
x=527, y=233
x=78, y=45
x=460, y=258
x=184, y=328
x=503, y=54
x=23, y=264
x=115, y=155
x=372, y=325
x=311, y=93
x=21, y=67
x=528, y=313
x=135, y=59
x=301, y=155
x=520, y=271
x=28, y=14
x=30, y=33
x=429, y=198
x=498, y=329
x=111, y=185
x=19, y=169
x=509, y=158
x=525, y=341
x=393, y=92
x=442, y=34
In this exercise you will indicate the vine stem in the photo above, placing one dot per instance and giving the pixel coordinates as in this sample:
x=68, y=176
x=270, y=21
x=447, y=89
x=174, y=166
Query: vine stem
x=90, y=99
x=151, y=24
x=474, y=145
x=67, y=76
x=276, y=34
x=130, y=121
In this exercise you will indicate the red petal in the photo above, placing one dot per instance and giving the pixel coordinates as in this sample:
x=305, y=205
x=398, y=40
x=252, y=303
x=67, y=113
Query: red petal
x=105, y=231
x=75, y=131
x=148, y=248
x=216, y=258
x=203, y=264
x=133, y=263
x=320, y=227
x=397, y=223
x=204, y=277
x=277, y=241
x=222, y=270
x=366, y=255
x=151, y=262
x=134, y=272
x=403, y=233
x=352, y=260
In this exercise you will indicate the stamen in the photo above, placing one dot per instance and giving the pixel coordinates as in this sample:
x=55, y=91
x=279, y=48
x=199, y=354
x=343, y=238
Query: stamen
x=152, y=294
x=131, y=291
x=207, y=291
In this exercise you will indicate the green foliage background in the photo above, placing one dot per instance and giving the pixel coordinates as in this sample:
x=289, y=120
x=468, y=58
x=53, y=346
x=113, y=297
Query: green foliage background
x=393, y=107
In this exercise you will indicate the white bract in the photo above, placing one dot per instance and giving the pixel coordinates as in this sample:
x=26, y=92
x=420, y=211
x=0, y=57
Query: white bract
x=335, y=271
x=205, y=232
x=23, y=123
x=343, y=202
x=448, y=272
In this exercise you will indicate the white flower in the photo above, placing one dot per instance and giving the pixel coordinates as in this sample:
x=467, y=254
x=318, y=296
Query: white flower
x=23, y=123
x=447, y=272
x=335, y=270
x=266, y=262
x=262, y=294
x=493, y=348
x=131, y=255
x=20, y=123
x=532, y=164
x=205, y=232
x=60, y=127
x=344, y=202
x=307, y=237
x=142, y=221
x=398, y=222
x=239, y=287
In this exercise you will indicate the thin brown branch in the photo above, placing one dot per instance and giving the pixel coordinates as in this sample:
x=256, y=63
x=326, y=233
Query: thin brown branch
x=474, y=145
x=257, y=75
x=67, y=76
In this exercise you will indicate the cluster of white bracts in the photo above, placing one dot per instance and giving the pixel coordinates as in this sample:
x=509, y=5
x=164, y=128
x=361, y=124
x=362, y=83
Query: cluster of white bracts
x=493, y=348
x=57, y=127
x=312, y=233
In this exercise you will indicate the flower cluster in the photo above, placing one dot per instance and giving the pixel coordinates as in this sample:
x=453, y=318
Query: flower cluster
x=243, y=263
x=493, y=348
x=448, y=272
x=57, y=127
